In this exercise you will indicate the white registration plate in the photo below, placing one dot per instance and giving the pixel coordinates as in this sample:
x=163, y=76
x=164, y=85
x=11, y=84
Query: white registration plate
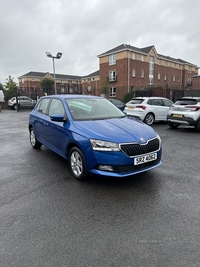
x=146, y=158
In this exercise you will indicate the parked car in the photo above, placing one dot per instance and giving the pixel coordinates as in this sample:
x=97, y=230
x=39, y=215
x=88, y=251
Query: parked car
x=23, y=102
x=94, y=136
x=148, y=109
x=185, y=111
x=118, y=103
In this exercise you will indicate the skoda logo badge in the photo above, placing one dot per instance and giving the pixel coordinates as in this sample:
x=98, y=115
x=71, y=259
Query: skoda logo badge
x=142, y=139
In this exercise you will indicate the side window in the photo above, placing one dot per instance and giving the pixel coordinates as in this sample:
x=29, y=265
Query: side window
x=42, y=107
x=56, y=107
x=167, y=102
x=157, y=102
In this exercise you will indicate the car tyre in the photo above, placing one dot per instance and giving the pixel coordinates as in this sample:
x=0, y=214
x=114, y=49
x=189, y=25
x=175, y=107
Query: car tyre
x=77, y=164
x=173, y=125
x=197, y=127
x=33, y=140
x=149, y=119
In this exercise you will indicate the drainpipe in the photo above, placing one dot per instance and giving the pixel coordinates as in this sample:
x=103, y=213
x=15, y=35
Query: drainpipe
x=129, y=69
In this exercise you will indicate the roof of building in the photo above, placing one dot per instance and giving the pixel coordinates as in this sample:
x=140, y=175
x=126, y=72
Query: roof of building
x=58, y=76
x=144, y=51
x=43, y=74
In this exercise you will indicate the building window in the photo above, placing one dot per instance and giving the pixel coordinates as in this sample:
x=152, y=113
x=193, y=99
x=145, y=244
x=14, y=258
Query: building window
x=89, y=89
x=189, y=69
x=159, y=62
x=113, y=91
x=150, y=81
x=165, y=63
x=112, y=59
x=112, y=76
x=133, y=72
x=62, y=81
x=142, y=73
x=71, y=90
x=174, y=65
x=70, y=81
x=151, y=70
x=179, y=79
x=189, y=81
x=174, y=78
x=165, y=77
x=33, y=79
x=88, y=80
x=158, y=76
x=62, y=90
x=142, y=58
x=22, y=80
x=133, y=56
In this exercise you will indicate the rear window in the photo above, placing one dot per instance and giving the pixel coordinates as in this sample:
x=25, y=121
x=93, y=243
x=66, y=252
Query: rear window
x=185, y=102
x=135, y=101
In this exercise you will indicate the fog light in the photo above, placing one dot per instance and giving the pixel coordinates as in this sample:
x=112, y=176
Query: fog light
x=105, y=168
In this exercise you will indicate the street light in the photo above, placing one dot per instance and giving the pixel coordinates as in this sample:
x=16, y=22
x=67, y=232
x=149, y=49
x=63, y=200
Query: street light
x=59, y=55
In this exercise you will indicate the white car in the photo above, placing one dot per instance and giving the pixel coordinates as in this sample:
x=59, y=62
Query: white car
x=185, y=111
x=148, y=109
x=23, y=102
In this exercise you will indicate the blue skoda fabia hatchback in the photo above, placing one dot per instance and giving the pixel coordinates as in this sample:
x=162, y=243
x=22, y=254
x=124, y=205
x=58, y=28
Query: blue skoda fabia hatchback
x=94, y=136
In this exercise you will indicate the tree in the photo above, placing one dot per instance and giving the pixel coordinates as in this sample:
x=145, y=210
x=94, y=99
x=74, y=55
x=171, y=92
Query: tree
x=1, y=87
x=47, y=85
x=9, y=90
x=105, y=88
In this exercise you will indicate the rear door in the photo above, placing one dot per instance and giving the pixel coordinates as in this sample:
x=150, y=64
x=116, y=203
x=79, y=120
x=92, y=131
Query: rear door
x=160, y=109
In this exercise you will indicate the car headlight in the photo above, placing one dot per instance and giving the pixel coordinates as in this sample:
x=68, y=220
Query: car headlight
x=100, y=145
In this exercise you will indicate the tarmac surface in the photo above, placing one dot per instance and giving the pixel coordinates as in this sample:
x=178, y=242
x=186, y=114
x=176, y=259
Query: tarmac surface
x=49, y=219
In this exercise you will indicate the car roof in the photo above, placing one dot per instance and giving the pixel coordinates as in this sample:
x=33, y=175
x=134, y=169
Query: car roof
x=149, y=97
x=190, y=97
x=71, y=96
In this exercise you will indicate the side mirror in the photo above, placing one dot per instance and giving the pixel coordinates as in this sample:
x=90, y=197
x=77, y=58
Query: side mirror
x=58, y=117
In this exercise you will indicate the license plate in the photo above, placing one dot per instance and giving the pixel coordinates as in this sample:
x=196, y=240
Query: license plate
x=130, y=108
x=177, y=116
x=146, y=158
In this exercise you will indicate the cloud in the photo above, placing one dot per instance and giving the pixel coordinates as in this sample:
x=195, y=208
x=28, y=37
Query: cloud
x=81, y=30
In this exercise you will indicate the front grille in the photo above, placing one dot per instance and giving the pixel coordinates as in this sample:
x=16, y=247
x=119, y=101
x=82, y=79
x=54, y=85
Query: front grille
x=135, y=149
x=132, y=168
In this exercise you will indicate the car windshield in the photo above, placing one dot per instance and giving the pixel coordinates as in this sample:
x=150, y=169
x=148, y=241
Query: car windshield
x=93, y=109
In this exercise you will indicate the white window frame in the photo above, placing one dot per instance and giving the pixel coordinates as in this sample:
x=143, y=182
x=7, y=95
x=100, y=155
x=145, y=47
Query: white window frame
x=112, y=91
x=142, y=73
x=142, y=58
x=112, y=76
x=133, y=56
x=133, y=73
x=158, y=76
x=112, y=59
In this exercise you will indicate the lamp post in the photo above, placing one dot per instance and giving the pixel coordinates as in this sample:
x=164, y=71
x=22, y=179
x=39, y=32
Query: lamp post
x=58, y=56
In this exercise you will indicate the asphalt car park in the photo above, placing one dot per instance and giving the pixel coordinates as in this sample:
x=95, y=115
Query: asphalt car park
x=48, y=218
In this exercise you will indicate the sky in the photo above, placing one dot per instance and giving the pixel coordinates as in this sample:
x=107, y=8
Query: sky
x=84, y=29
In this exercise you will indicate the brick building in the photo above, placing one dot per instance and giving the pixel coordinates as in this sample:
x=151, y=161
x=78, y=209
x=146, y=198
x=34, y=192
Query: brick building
x=129, y=69
x=125, y=69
